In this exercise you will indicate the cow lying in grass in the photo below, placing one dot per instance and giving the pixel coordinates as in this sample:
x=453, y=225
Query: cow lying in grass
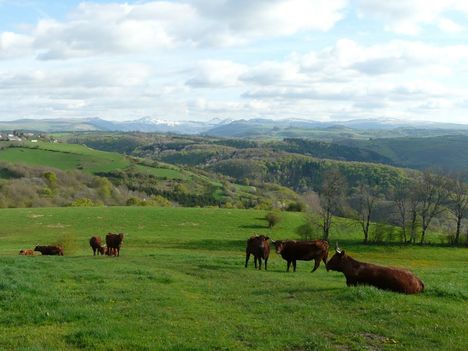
x=302, y=250
x=360, y=273
x=50, y=250
x=27, y=252
x=259, y=247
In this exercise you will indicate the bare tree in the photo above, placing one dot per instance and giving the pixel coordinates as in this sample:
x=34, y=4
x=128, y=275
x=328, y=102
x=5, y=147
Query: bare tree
x=331, y=199
x=413, y=206
x=406, y=202
x=432, y=192
x=367, y=199
x=458, y=202
x=400, y=199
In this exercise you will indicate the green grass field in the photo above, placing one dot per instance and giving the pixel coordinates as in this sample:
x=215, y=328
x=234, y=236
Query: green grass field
x=74, y=156
x=180, y=284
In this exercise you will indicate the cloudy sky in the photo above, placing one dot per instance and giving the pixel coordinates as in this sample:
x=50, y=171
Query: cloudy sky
x=201, y=59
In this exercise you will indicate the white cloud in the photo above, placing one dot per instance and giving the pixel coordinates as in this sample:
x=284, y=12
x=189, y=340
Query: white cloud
x=216, y=73
x=408, y=16
x=94, y=29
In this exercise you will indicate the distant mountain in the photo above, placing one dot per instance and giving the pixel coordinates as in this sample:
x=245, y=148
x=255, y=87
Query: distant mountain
x=239, y=128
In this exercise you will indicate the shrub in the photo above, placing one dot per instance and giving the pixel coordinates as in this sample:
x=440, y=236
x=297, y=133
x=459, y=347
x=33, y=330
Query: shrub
x=82, y=202
x=306, y=231
x=133, y=201
x=296, y=206
x=161, y=201
x=273, y=218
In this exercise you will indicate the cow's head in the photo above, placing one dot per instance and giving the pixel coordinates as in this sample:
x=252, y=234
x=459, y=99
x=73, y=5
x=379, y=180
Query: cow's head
x=260, y=240
x=337, y=262
x=37, y=248
x=279, y=246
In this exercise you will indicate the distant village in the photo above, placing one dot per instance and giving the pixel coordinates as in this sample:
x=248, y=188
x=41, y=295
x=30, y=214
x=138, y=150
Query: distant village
x=26, y=136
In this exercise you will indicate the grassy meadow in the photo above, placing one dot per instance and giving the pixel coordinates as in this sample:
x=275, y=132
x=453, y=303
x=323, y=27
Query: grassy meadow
x=180, y=284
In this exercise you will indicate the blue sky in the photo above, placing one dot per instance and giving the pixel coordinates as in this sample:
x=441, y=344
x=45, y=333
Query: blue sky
x=201, y=59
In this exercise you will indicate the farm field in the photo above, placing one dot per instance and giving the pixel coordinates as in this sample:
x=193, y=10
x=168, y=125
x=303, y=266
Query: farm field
x=74, y=156
x=180, y=284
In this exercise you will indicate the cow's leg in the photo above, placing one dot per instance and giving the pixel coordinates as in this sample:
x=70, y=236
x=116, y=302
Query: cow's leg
x=247, y=257
x=255, y=261
x=260, y=263
x=94, y=251
x=289, y=265
x=266, y=260
x=325, y=257
x=294, y=265
x=317, y=264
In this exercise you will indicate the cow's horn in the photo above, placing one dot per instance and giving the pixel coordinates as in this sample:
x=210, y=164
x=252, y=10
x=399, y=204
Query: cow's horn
x=337, y=249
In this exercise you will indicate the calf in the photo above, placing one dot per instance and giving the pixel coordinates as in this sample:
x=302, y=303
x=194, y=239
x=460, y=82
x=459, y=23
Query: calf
x=360, y=273
x=259, y=247
x=27, y=252
x=113, y=242
x=96, y=246
x=302, y=250
x=50, y=250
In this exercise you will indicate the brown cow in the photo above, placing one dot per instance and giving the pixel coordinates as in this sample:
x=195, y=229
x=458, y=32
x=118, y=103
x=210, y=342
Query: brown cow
x=95, y=243
x=302, y=250
x=50, y=250
x=360, y=273
x=259, y=247
x=27, y=252
x=113, y=242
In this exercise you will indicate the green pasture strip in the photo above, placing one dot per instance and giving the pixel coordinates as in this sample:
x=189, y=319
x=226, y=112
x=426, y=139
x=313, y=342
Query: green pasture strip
x=180, y=284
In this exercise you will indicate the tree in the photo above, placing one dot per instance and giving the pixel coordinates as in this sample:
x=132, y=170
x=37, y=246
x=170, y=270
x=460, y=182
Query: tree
x=405, y=204
x=432, y=192
x=331, y=199
x=366, y=201
x=458, y=202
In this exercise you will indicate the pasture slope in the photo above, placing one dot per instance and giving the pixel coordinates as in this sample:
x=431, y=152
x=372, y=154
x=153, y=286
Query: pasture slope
x=180, y=284
x=74, y=156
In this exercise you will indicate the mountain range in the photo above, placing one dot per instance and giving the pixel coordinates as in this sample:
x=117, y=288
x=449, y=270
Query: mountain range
x=222, y=127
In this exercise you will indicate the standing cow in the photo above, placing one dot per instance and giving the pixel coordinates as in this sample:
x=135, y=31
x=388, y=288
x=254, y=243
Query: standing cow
x=302, y=250
x=96, y=245
x=360, y=273
x=50, y=250
x=259, y=247
x=113, y=242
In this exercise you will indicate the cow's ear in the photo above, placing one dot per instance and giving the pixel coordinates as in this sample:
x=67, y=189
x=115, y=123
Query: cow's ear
x=267, y=238
x=342, y=253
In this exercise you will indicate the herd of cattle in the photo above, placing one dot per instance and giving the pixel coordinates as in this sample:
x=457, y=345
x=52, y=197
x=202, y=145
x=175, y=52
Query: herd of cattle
x=111, y=248
x=356, y=273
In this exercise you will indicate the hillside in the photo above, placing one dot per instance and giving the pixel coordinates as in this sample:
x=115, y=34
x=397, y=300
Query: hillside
x=180, y=284
x=294, y=163
x=446, y=152
x=138, y=177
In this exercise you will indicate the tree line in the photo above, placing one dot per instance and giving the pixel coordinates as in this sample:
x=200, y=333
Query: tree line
x=412, y=206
